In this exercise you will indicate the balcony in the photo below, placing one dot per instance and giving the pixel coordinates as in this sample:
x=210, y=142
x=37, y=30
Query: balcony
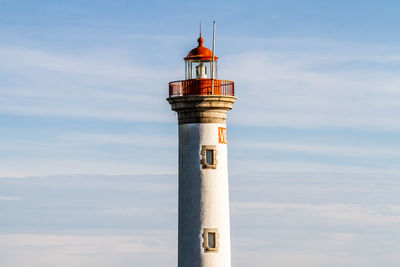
x=201, y=87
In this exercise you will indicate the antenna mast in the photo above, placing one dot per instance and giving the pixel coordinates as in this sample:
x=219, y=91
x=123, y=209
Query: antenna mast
x=213, y=59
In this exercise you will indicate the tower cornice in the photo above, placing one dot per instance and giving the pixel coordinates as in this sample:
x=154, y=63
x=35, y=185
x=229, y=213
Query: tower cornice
x=201, y=108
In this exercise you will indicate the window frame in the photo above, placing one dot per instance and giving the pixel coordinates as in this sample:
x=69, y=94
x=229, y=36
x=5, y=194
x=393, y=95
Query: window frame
x=206, y=232
x=204, y=163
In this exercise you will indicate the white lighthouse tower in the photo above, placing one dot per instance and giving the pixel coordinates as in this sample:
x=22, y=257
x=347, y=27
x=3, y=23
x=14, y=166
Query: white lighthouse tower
x=202, y=102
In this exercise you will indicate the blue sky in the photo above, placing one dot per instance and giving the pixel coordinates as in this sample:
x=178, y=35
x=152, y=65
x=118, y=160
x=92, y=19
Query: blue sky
x=88, y=144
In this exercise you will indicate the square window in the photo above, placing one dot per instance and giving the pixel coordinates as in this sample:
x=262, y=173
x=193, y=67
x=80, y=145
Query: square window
x=210, y=237
x=209, y=157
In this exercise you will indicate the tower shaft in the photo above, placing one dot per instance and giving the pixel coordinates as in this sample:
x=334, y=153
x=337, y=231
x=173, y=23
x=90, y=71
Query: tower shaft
x=204, y=226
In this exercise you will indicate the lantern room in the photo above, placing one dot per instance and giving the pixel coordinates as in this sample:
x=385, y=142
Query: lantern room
x=201, y=75
x=199, y=63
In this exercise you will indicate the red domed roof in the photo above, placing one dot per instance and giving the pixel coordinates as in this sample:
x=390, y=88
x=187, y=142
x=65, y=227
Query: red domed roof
x=201, y=52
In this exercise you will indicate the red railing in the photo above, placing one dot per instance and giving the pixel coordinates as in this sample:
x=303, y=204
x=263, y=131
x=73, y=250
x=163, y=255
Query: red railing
x=201, y=87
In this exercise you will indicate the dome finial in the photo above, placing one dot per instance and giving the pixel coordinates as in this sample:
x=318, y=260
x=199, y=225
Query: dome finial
x=200, y=28
x=200, y=40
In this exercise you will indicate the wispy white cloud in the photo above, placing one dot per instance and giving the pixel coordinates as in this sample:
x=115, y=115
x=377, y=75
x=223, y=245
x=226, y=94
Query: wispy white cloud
x=331, y=213
x=263, y=166
x=9, y=198
x=46, y=167
x=316, y=249
x=277, y=86
x=134, y=139
x=291, y=90
x=88, y=152
x=29, y=61
x=87, y=250
x=337, y=150
x=275, y=220
x=130, y=211
x=89, y=86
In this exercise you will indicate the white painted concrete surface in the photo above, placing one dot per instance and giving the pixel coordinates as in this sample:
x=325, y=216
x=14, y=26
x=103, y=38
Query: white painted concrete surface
x=203, y=197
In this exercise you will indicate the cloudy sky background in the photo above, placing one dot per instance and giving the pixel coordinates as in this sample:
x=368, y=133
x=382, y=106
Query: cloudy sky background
x=88, y=144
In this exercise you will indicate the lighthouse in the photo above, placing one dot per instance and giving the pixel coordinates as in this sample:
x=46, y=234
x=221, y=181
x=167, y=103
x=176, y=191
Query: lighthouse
x=202, y=102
